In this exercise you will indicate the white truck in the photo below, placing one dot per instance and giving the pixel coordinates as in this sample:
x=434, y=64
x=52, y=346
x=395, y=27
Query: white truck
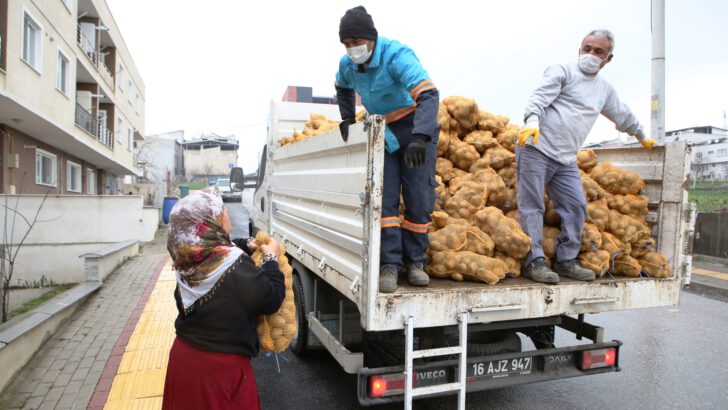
x=321, y=197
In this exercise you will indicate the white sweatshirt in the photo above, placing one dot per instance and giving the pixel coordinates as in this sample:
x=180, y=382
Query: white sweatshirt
x=567, y=103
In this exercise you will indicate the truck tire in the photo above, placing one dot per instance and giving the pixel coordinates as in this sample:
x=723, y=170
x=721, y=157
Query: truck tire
x=490, y=343
x=300, y=339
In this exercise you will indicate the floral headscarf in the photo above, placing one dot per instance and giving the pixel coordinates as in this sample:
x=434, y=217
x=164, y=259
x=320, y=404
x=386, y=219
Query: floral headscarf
x=200, y=248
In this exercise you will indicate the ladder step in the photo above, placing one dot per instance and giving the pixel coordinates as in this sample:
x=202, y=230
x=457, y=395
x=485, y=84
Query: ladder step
x=441, y=351
x=438, y=388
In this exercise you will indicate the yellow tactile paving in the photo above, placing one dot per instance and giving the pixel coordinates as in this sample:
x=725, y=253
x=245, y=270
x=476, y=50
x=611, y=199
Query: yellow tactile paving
x=139, y=381
x=710, y=273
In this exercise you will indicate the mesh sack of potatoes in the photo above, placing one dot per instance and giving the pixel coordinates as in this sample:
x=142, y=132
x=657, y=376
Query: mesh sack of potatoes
x=549, y=240
x=509, y=203
x=498, y=157
x=550, y=216
x=642, y=244
x=586, y=159
x=496, y=187
x=481, y=140
x=596, y=261
x=655, y=265
x=445, y=169
x=513, y=215
x=591, y=238
x=614, y=246
x=462, y=154
x=592, y=189
x=514, y=265
x=466, y=200
x=625, y=227
x=464, y=110
x=617, y=180
x=597, y=212
x=441, y=194
x=491, y=122
x=455, y=183
x=318, y=124
x=443, y=118
x=439, y=220
x=625, y=265
x=469, y=265
x=508, y=175
x=632, y=205
x=508, y=137
x=443, y=142
x=479, y=242
x=276, y=331
x=451, y=237
x=507, y=233
x=360, y=116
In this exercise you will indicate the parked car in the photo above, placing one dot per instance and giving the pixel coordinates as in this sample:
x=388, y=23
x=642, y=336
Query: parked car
x=223, y=184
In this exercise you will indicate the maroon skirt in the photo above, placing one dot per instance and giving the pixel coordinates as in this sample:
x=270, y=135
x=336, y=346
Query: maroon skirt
x=197, y=379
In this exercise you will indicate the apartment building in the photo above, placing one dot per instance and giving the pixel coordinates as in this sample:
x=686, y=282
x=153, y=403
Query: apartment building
x=71, y=99
x=210, y=157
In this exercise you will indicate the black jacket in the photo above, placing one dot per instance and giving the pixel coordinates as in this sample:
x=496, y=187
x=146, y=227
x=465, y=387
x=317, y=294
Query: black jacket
x=224, y=320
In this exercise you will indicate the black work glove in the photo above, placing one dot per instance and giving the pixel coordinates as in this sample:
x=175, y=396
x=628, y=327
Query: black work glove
x=344, y=127
x=414, y=154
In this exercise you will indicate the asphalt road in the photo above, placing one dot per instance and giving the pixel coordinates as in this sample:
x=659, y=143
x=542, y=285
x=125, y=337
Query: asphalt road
x=672, y=358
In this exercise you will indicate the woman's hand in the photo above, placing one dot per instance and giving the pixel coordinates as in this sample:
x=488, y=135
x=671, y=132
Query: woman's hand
x=252, y=245
x=272, y=248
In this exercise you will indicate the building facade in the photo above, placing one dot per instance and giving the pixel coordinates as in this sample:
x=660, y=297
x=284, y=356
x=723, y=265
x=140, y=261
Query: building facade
x=71, y=99
x=210, y=157
x=709, y=153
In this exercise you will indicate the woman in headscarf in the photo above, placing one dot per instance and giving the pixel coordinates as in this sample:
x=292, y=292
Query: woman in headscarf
x=220, y=293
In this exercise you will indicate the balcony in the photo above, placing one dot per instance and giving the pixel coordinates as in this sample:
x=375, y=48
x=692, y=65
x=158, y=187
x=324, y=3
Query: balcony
x=93, y=126
x=89, y=48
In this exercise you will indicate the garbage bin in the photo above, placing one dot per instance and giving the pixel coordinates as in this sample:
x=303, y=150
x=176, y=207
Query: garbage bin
x=167, y=206
x=184, y=190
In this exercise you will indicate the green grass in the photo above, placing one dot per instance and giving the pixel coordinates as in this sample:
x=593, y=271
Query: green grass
x=195, y=185
x=33, y=303
x=709, y=200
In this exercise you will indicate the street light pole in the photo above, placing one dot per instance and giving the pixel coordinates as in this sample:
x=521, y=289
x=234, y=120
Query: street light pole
x=658, y=71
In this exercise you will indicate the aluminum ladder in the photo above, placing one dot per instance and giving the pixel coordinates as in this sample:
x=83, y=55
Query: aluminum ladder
x=410, y=354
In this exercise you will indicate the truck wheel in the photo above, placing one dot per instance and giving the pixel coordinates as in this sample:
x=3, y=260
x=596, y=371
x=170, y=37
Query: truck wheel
x=300, y=339
x=490, y=343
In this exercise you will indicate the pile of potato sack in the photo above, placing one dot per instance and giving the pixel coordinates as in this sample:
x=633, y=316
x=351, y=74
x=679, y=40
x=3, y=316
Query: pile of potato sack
x=475, y=233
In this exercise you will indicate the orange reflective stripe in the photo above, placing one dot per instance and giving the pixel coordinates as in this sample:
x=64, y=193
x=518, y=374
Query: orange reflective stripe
x=425, y=225
x=431, y=87
x=390, y=218
x=426, y=84
x=415, y=230
x=390, y=225
x=400, y=113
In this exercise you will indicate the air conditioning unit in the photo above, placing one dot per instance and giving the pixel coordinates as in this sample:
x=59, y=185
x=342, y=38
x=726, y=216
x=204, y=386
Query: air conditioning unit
x=13, y=160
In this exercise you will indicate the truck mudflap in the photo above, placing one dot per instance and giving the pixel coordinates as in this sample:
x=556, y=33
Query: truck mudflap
x=386, y=384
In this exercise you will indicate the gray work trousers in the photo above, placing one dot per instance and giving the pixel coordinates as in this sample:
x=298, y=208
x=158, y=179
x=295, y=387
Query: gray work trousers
x=536, y=171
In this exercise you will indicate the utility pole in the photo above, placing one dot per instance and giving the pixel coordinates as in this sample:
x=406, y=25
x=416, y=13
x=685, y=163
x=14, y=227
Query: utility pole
x=658, y=71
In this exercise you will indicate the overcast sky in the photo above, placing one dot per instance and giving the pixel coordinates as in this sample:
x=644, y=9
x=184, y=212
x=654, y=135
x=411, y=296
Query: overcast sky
x=214, y=66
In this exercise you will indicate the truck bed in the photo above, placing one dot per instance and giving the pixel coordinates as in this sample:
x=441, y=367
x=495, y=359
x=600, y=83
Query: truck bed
x=324, y=199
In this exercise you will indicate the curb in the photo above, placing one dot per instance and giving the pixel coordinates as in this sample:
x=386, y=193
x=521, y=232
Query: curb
x=708, y=287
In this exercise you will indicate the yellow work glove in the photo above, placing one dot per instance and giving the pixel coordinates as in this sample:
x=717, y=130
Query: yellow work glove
x=528, y=131
x=648, y=143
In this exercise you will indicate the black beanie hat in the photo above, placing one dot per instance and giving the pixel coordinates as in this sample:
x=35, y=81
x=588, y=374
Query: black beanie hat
x=357, y=23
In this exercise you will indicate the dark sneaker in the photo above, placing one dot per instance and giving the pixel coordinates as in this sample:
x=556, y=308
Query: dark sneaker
x=416, y=275
x=538, y=271
x=572, y=269
x=388, y=278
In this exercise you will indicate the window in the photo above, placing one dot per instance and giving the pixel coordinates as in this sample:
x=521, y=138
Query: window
x=723, y=152
x=45, y=168
x=129, y=92
x=122, y=77
x=119, y=130
x=31, y=42
x=129, y=136
x=136, y=102
x=91, y=182
x=62, y=73
x=711, y=152
x=73, y=177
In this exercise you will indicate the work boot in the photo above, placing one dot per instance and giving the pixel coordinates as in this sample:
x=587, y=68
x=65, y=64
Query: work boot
x=416, y=275
x=538, y=271
x=388, y=278
x=571, y=269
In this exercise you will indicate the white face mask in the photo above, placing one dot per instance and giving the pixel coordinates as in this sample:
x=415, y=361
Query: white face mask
x=589, y=63
x=359, y=54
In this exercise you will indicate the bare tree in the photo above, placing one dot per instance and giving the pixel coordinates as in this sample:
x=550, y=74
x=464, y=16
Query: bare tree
x=10, y=250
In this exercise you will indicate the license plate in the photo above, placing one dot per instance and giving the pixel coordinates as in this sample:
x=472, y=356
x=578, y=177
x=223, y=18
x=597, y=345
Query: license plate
x=495, y=369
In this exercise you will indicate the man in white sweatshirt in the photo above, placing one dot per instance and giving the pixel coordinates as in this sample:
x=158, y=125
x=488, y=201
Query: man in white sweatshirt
x=559, y=116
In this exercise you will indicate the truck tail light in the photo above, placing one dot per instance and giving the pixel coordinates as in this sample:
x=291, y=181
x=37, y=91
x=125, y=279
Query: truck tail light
x=383, y=385
x=594, y=359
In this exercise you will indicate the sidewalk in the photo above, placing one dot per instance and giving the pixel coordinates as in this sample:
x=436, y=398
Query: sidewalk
x=81, y=360
x=710, y=280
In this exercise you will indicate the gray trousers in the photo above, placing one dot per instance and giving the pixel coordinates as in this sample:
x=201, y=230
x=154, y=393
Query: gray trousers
x=536, y=171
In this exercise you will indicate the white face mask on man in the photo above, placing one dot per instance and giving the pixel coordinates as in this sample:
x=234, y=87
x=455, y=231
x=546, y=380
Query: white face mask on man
x=589, y=63
x=359, y=54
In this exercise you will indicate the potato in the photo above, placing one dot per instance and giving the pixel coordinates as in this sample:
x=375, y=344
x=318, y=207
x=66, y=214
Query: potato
x=616, y=180
x=586, y=159
x=507, y=233
x=467, y=265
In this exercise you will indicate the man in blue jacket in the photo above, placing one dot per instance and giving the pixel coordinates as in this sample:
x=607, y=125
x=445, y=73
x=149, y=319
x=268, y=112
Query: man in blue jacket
x=391, y=82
